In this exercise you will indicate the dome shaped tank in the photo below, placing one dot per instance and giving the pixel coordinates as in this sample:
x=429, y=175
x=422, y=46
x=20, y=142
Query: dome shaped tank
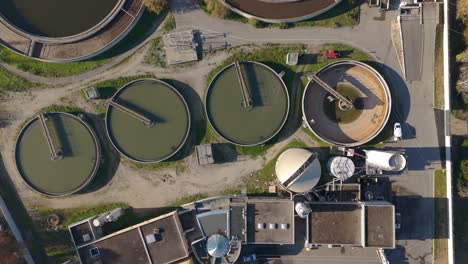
x=298, y=170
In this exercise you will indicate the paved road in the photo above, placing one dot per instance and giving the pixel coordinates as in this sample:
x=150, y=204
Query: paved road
x=413, y=45
x=412, y=107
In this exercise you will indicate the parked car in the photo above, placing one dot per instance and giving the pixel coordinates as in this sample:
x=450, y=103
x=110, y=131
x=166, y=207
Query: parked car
x=397, y=133
x=397, y=220
x=249, y=258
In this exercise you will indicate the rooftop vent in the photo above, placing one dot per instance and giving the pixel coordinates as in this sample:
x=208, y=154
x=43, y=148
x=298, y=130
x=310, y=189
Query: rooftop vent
x=273, y=226
x=94, y=252
x=284, y=226
x=261, y=226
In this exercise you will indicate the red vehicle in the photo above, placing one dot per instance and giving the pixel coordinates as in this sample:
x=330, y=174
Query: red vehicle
x=331, y=54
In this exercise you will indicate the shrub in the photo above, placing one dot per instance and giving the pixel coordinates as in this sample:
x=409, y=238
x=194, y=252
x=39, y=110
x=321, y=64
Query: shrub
x=155, y=6
x=256, y=23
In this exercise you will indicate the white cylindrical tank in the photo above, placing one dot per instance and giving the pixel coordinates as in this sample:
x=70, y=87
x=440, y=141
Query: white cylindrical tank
x=341, y=167
x=99, y=221
x=302, y=209
x=383, y=160
x=298, y=170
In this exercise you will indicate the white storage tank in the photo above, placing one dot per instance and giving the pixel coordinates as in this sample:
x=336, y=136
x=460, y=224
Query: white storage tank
x=383, y=160
x=341, y=167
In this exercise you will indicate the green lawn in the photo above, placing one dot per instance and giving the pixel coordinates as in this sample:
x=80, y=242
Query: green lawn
x=11, y=82
x=141, y=31
x=439, y=69
x=258, y=183
x=155, y=55
x=440, y=218
x=345, y=14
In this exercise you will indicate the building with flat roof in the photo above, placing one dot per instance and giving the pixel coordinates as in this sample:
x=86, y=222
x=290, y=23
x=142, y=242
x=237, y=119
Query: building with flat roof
x=370, y=224
x=270, y=221
x=159, y=240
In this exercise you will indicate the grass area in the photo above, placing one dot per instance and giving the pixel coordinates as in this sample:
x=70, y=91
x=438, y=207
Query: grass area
x=11, y=82
x=439, y=69
x=57, y=243
x=179, y=165
x=155, y=54
x=141, y=31
x=440, y=218
x=62, y=108
x=345, y=14
x=258, y=183
x=461, y=167
x=187, y=199
x=169, y=23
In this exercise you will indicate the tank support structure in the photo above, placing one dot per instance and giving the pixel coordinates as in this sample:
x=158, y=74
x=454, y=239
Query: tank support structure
x=55, y=154
x=247, y=101
x=145, y=120
x=343, y=102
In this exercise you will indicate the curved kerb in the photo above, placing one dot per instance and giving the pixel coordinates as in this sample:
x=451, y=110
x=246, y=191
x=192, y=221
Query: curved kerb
x=387, y=93
x=96, y=164
x=277, y=21
x=279, y=128
x=67, y=39
x=187, y=133
x=76, y=38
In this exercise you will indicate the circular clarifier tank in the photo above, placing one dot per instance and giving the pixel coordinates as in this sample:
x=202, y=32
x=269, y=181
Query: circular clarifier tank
x=57, y=18
x=366, y=91
x=247, y=103
x=148, y=120
x=76, y=146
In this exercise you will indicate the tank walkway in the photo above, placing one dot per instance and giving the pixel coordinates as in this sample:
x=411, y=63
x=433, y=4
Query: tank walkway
x=247, y=101
x=346, y=103
x=54, y=153
x=145, y=120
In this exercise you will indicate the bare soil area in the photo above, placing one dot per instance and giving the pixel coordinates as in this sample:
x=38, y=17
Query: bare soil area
x=139, y=188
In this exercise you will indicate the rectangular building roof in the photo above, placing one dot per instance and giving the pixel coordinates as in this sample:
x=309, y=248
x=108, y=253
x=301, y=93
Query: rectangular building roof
x=132, y=246
x=279, y=213
x=380, y=225
x=336, y=223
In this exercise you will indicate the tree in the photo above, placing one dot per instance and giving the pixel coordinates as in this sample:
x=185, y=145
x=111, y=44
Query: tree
x=155, y=6
x=9, y=250
x=462, y=10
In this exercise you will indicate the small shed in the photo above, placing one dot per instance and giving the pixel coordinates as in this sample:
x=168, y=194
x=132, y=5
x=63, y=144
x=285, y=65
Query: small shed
x=204, y=154
x=292, y=58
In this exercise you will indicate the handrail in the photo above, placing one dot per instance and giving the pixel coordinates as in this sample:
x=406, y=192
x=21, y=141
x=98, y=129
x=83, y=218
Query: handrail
x=145, y=120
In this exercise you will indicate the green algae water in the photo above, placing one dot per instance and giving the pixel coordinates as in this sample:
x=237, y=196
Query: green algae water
x=63, y=176
x=56, y=18
x=247, y=126
x=159, y=102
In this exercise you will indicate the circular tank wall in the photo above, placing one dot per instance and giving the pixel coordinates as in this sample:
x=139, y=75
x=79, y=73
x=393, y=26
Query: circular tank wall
x=79, y=159
x=364, y=87
x=56, y=18
x=164, y=106
x=247, y=125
